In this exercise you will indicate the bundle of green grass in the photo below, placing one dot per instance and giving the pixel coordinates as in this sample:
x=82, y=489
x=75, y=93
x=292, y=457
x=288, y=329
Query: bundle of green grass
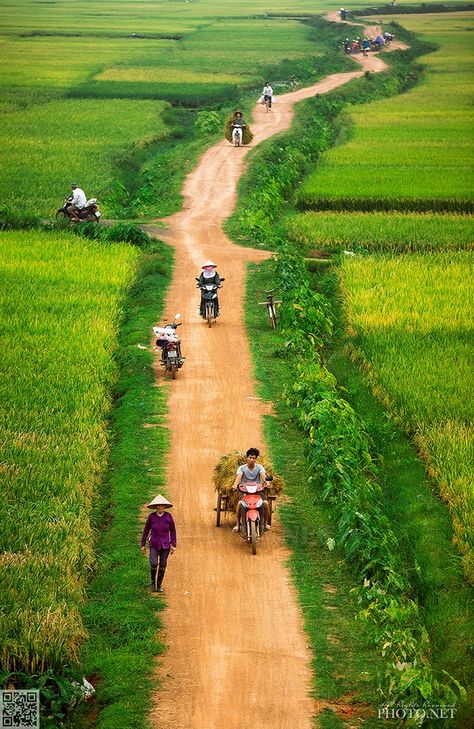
x=226, y=471
x=247, y=135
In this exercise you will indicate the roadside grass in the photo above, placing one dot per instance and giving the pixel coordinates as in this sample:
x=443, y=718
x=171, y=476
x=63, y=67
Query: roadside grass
x=333, y=232
x=61, y=305
x=404, y=154
x=345, y=662
x=121, y=616
x=423, y=529
x=409, y=325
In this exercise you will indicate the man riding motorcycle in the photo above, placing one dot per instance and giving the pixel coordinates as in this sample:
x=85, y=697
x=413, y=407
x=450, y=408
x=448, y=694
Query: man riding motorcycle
x=249, y=473
x=77, y=202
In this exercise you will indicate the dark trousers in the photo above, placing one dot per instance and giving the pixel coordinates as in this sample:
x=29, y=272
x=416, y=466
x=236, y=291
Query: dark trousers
x=158, y=560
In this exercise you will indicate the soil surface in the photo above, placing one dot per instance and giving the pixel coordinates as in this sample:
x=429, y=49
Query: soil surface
x=236, y=646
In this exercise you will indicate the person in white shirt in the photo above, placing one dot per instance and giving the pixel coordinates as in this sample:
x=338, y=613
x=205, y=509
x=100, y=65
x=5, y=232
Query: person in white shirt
x=251, y=472
x=268, y=94
x=78, y=200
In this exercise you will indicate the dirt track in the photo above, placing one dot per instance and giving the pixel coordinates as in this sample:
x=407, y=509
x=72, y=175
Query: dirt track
x=236, y=644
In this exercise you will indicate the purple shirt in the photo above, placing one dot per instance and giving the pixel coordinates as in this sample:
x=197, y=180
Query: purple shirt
x=163, y=531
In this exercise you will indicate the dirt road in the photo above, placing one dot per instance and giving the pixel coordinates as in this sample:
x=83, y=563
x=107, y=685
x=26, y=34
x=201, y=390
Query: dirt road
x=236, y=644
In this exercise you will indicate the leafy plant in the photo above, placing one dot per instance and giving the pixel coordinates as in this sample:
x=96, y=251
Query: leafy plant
x=58, y=693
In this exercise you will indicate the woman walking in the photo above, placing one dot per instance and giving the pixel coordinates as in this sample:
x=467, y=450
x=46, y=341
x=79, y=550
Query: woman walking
x=160, y=532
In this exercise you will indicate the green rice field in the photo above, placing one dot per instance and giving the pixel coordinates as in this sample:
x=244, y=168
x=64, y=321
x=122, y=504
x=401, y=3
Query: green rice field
x=84, y=89
x=60, y=309
x=413, y=151
x=394, y=233
x=106, y=94
x=410, y=325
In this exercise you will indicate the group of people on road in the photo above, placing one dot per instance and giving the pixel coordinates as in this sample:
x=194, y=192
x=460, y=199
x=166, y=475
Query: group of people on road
x=237, y=122
x=367, y=44
x=159, y=531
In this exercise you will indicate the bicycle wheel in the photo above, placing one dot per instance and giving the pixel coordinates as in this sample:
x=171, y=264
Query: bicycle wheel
x=272, y=315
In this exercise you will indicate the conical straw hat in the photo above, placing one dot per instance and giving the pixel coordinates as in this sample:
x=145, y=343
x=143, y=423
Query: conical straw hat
x=159, y=501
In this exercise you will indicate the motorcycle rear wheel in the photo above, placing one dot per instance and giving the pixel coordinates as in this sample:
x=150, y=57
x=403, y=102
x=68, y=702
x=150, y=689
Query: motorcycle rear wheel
x=253, y=536
x=218, y=510
x=209, y=313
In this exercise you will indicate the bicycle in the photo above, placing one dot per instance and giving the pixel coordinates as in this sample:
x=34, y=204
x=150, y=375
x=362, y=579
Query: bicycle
x=270, y=303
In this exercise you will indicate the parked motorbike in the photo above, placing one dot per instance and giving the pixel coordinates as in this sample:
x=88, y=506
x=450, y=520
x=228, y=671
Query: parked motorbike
x=251, y=511
x=209, y=309
x=170, y=345
x=90, y=212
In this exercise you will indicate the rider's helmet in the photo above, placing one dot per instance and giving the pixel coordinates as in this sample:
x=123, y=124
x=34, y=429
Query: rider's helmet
x=209, y=267
x=73, y=184
x=238, y=113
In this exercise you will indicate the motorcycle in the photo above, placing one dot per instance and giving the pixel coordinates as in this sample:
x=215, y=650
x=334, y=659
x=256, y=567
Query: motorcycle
x=237, y=134
x=90, y=212
x=209, y=309
x=170, y=345
x=251, y=525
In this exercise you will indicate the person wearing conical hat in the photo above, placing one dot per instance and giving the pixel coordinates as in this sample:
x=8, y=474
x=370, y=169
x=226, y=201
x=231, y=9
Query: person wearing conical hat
x=209, y=275
x=160, y=532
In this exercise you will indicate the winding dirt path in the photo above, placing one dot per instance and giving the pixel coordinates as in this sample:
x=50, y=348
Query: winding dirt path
x=236, y=642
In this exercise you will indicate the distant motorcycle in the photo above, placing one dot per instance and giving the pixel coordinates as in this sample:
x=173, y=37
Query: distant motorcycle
x=170, y=345
x=237, y=134
x=209, y=309
x=90, y=212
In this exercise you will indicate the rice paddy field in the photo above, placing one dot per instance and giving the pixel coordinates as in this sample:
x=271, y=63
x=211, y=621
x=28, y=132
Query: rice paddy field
x=410, y=326
x=396, y=232
x=83, y=88
x=60, y=308
x=413, y=151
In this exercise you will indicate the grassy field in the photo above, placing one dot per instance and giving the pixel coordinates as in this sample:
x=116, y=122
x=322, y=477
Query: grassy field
x=414, y=151
x=410, y=324
x=60, y=310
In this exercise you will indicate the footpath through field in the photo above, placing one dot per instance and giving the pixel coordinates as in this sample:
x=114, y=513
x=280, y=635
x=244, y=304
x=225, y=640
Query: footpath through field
x=236, y=647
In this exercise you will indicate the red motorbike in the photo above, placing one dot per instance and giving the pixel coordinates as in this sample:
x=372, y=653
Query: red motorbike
x=252, y=511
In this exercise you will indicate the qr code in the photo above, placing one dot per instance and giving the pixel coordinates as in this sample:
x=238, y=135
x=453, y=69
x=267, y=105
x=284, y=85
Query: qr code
x=20, y=709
